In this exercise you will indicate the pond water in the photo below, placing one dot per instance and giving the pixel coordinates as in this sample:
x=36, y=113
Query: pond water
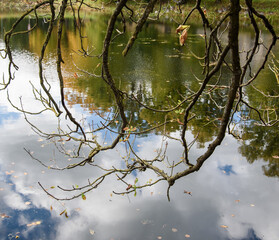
x=234, y=195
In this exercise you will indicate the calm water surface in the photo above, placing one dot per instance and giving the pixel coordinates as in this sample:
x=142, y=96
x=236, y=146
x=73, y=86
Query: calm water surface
x=235, y=195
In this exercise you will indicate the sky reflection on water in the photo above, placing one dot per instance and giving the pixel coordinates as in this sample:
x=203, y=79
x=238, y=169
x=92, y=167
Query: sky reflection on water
x=245, y=201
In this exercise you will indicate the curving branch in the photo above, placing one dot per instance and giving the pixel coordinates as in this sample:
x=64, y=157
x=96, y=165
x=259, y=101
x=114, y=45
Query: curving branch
x=221, y=59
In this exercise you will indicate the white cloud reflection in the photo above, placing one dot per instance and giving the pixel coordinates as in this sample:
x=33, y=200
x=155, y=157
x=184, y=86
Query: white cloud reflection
x=14, y=201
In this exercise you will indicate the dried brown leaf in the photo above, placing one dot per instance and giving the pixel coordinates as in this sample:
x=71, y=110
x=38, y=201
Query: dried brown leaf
x=190, y=193
x=33, y=223
x=183, y=37
x=3, y=215
x=224, y=226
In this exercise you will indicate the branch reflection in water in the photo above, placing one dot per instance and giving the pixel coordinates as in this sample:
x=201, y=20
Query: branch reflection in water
x=215, y=98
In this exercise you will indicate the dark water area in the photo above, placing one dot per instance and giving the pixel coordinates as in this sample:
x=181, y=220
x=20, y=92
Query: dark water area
x=233, y=196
